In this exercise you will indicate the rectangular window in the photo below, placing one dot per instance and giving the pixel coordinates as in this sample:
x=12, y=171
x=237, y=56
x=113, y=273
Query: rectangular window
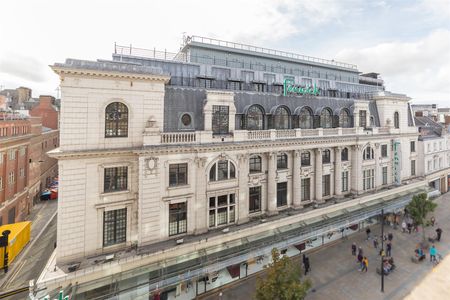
x=306, y=158
x=116, y=179
x=114, y=227
x=234, y=85
x=368, y=179
x=345, y=181
x=385, y=175
x=178, y=174
x=326, y=156
x=220, y=122
x=282, y=161
x=306, y=189
x=413, y=168
x=429, y=165
x=255, y=164
x=222, y=210
x=281, y=194
x=22, y=151
x=255, y=199
x=326, y=181
x=12, y=154
x=177, y=218
x=362, y=118
x=384, y=150
x=11, y=178
x=413, y=146
x=1, y=183
x=22, y=172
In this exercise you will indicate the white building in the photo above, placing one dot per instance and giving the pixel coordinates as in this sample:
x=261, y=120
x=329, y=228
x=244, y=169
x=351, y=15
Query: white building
x=434, y=153
x=185, y=166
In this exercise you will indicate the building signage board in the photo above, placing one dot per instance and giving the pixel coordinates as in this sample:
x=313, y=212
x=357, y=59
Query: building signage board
x=289, y=88
x=397, y=163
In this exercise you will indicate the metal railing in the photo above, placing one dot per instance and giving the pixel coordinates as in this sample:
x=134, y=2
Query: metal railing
x=216, y=42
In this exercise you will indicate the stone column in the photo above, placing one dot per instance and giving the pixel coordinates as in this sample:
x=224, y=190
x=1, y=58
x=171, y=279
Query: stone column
x=201, y=207
x=296, y=184
x=271, y=183
x=356, y=173
x=243, y=170
x=337, y=172
x=318, y=173
x=376, y=173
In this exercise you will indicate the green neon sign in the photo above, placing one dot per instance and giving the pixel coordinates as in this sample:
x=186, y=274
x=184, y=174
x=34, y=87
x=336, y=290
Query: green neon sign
x=290, y=88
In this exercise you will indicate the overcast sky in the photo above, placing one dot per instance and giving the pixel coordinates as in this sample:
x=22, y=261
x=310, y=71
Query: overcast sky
x=407, y=41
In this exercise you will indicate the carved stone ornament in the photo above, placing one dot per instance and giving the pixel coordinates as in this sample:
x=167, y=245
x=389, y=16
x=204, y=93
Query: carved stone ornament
x=151, y=163
x=151, y=122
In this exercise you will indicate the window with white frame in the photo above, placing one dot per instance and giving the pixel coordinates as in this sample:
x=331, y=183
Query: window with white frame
x=222, y=210
x=429, y=166
x=368, y=179
x=326, y=185
x=385, y=175
x=22, y=151
x=413, y=167
x=306, y=189
x=12, y=154
x=368, y=153
x=1, y=183
x=384, y=150
x=254, y=199
x=22, y=172
x=222, y=170
x=344, y=181
x=115, y=179
x=11, y=178
x=177, y=218
x=255, y=165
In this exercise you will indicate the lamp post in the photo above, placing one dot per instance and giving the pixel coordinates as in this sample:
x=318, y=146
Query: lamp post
x=382, y=250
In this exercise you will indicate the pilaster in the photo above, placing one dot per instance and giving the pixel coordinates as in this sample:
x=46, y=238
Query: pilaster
x=338, y=172
x=243, y=170
x=271, y=183
x=296, y=184
x=318, y=175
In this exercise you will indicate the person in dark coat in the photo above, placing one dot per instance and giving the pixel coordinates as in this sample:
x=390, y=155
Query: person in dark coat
x=306, y=264
x=388, y=249
x=390, y=237
x=354, y=249
x=438, y=233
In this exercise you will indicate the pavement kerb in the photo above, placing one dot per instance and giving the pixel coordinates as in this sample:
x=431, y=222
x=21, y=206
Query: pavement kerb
x=24, y=253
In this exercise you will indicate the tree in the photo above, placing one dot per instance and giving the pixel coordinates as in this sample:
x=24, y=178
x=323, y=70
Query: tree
x=418, y=208
x=282, y=281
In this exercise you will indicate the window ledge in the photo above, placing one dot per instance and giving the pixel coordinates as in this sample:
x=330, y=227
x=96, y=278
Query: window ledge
x=105, y=194
x=178, y=187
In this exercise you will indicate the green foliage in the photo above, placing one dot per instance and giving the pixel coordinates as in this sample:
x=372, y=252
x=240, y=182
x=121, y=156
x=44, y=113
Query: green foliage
x=418, y=208
x=282, y=281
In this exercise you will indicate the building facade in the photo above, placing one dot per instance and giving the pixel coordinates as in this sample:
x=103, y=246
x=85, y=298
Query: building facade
x=164, y=156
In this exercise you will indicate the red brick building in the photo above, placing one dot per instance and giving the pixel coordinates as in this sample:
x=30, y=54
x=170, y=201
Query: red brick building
x=15, y=134
x=47, y=110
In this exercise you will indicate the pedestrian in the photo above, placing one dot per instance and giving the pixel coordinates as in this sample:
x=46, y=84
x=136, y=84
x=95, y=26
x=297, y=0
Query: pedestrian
x=390, y=236
x=403, y=226
x=365, y=264
x=433, y=252
x=388, y=249
x=354, y=249
x=375, y=242
x=438, y=233
x=409, y=227
x=360, y=258
x=432, y=221
x=307, y=266
x=360, y=251
x=368, y=233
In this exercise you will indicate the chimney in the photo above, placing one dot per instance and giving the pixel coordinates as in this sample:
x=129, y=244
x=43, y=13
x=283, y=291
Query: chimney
x=46, y=101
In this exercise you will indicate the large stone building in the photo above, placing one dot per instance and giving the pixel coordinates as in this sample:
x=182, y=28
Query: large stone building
x=182, y=170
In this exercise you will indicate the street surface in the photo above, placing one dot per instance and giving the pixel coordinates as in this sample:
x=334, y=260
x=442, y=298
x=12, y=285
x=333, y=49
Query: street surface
x=31, y=261
x=335, y=275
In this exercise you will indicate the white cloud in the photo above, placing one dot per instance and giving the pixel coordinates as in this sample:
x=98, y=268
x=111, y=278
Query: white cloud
x=420, y=69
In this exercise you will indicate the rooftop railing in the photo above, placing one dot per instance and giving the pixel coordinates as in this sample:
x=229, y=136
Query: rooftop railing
x=216, y=42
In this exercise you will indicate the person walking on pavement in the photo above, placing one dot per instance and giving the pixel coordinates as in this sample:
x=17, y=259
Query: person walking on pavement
x=368, y=233
x=306, y=265
x=433, y=253
x=432, y=221
x=365, y=264
x=354, y=249
x=390, y=237
x=375, y=242
x=409, y=227
x=388, y=249
x=404, y=226
x=438, y=234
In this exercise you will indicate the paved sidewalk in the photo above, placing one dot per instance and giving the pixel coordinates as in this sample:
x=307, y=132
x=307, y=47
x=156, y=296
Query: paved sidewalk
x=40, y=217
x=335, y=272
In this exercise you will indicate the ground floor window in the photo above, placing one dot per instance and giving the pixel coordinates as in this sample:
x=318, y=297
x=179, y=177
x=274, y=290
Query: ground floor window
x=306, y=189
x=345, y=181
x=281, y=194
x=326, y=185
x=222, y=210
x=413, y=168
x=177, y=218
x=254, y=199
x=114, y=227
x=368, y=179
x=385, y=175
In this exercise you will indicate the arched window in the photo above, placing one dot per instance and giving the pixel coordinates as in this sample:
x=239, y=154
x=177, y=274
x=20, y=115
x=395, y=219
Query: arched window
x=282, y=161
x=305, y=118
x=326, y=156
x=222, y=170
x=344, y=154
x=255, y=118
x=281, y=118
x=368, y=153
x=255, y=165
x=344, y=118
x=116, y=120
x=396, y=120
x=325, y=118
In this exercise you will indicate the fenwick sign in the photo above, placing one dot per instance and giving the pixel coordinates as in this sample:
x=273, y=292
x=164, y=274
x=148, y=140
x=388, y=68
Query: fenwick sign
x=290, y=88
